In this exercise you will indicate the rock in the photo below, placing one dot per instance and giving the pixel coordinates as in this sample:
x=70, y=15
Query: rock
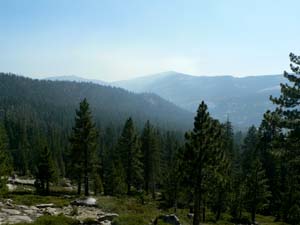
x=50, y=211
x=11, y=211
x=30, y=212
x=40, y=206
x=14, y=180
x=34, y=208
x=11, y=187
x=105, y=222
x=19, y=219
x=107, y=216
x=22, y=207
x=85, y=202
x=170, y=219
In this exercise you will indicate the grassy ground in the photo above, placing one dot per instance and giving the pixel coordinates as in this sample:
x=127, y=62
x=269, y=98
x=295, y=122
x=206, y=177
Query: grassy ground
x=132, y=212
x=130, y=209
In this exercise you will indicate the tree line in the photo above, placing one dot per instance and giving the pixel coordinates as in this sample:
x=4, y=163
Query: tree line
x=208, y=169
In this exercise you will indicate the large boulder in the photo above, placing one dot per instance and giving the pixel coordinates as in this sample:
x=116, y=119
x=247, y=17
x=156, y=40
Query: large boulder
x=19, y=219
x=89, y=201
x=11, y=211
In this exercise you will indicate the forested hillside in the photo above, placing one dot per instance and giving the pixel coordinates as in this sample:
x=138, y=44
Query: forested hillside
x=104, y=142
x=37, y=112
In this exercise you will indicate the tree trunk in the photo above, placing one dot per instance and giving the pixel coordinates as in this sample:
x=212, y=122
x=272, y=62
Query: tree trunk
x=86, y=178
x=196, y=219
x=253, y=212
x=153, y=191
x=43, y=186
x=47, y=187
x=203, y=213
x=86, y=185
x=128, y=188
x=79, y=186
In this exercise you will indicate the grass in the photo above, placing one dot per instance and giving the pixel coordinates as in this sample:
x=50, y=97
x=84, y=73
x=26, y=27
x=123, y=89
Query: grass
x=130, y=210
x=31, y=199
x=267, y=220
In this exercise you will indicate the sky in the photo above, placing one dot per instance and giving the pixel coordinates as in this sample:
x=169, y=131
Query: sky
x=120, y=39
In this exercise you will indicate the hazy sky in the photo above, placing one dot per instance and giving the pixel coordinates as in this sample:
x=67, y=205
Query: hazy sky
x=120, y=39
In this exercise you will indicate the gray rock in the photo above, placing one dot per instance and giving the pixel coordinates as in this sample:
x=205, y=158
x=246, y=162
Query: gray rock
x=19, y=219
x=105, y=222
x=85, y=202
x=34, y=208
x=30, y=212
x=50, y=211
x=107, y=216
x=22, y=207
x=40, y=206
x=15, y=180
x=11, y=211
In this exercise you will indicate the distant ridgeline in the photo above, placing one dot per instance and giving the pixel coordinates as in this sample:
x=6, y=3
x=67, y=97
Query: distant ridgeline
x=244, y=100
x=40, y=112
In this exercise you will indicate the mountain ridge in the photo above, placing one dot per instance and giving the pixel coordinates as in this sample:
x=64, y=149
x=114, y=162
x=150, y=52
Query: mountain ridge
x=109, y=104
x=242, y=99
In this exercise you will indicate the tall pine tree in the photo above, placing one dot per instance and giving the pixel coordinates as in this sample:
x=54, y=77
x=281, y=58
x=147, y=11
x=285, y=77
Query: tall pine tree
x=5, y=162
x=202, y=153
x=288, y=112
x=130, y=156
x=45, y=171
x=83, y=146
x=151, y=158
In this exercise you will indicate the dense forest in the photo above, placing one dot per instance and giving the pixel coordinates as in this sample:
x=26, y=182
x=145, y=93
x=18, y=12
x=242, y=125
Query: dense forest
x=52, y=130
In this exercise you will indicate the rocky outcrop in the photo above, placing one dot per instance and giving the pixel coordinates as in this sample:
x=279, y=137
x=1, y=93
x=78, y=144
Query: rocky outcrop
x=11, y=213
x=89, y=201
x=170, y=219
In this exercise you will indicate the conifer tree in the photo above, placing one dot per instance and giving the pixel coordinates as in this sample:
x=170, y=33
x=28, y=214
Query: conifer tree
x=257, y=192
x=151, y=157
x=45, y=171
x=202, y=153
x=289, y=121
x=130, y=155
x=270, y=140
x=83, y=146
x=221, y=177
x=5, y=162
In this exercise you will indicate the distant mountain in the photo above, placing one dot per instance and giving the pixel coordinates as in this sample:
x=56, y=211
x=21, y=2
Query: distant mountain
x=243, y=100
x=56, y=101
x=76, y=79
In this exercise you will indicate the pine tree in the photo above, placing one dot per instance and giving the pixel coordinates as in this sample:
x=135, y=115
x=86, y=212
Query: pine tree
x=288, y=115
x=170, y=170
x=257, y=192
x=45, y=172
x=83, y=146
x=5, y=162
x=222, y=174
x=130, y=155
x=202, y=153
x=270, y=140
x=249, y=149
x=151, y=158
